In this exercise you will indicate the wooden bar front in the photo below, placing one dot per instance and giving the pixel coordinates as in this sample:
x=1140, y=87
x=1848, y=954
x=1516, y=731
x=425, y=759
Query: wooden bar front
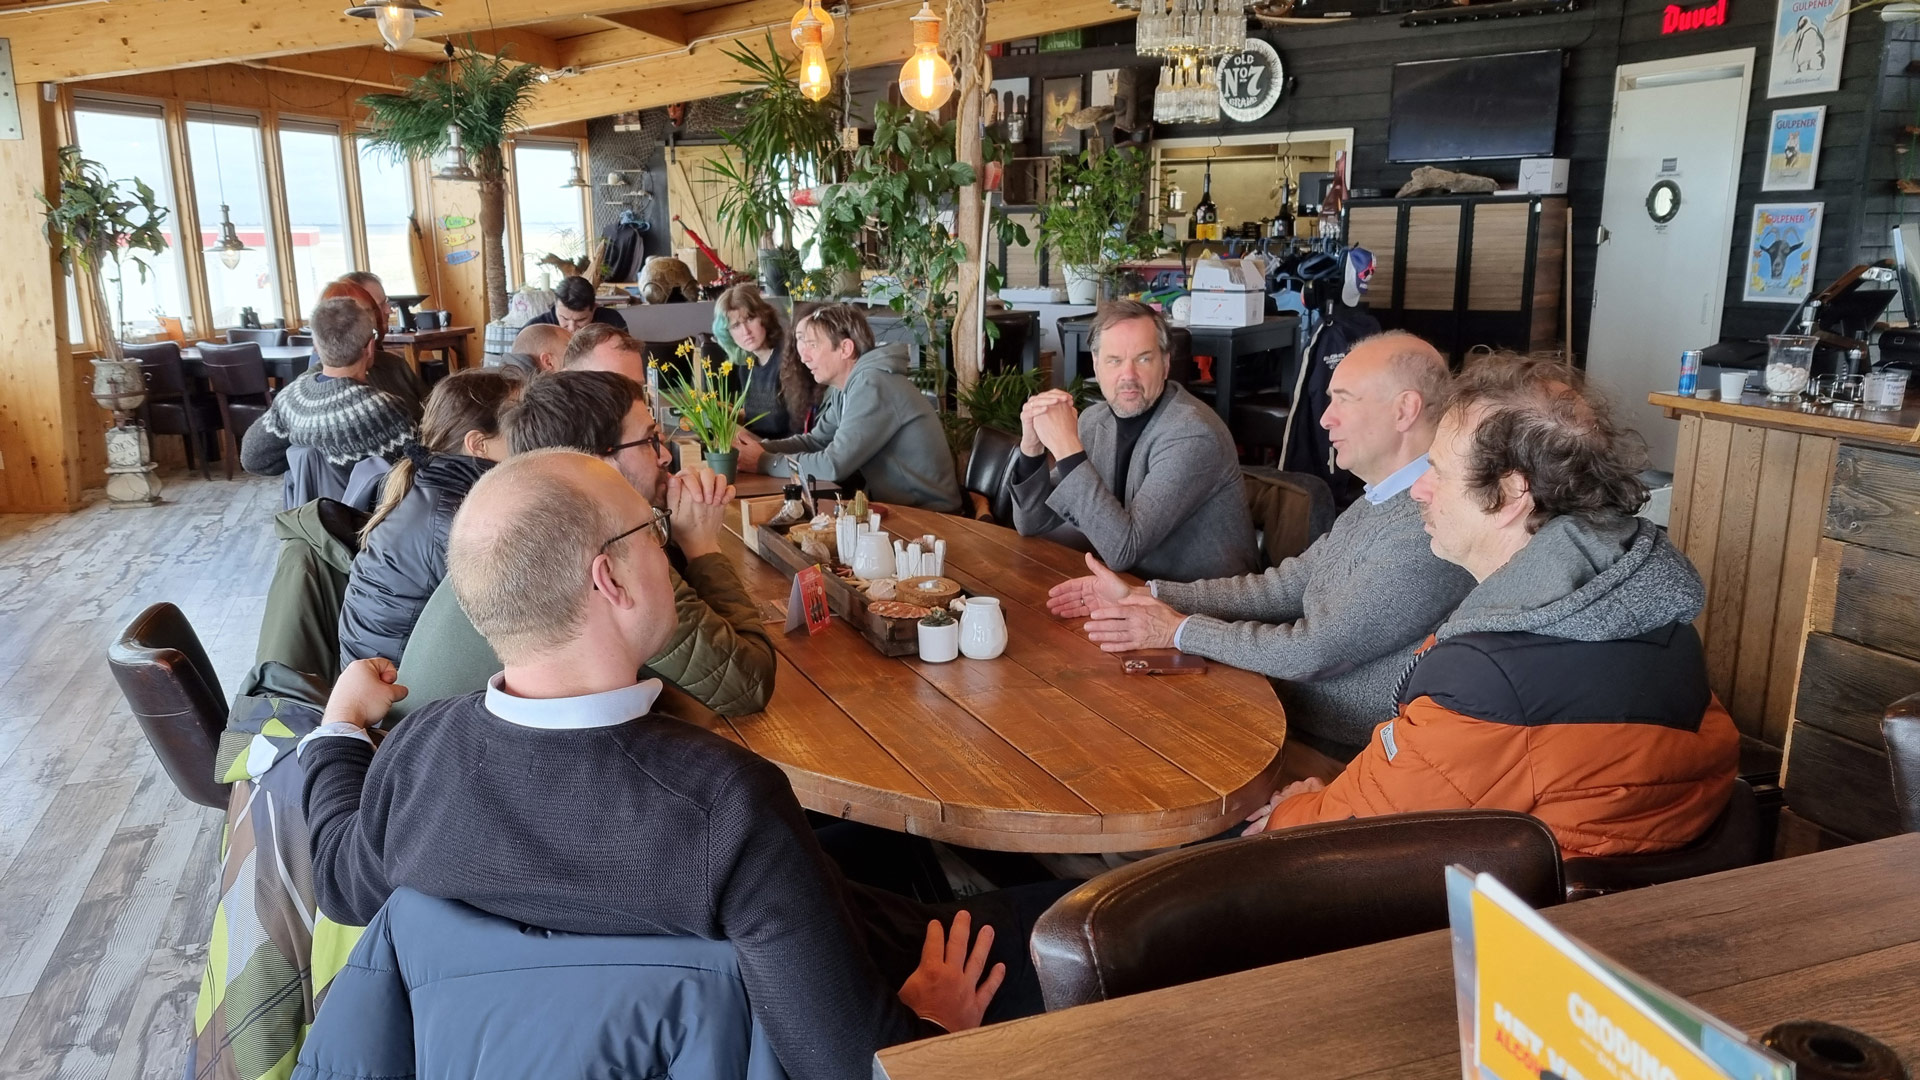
x=1805, y=526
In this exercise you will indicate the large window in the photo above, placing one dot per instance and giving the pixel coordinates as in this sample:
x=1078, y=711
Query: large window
x=229, y=169
x=316, y=207
x=130, y=142
x=386, y=203
x=552, y=216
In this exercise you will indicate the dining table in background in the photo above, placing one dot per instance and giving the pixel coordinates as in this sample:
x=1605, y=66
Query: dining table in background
x=411, y=344
x=1833, y=936
x=284, y=363
x=1046, y=748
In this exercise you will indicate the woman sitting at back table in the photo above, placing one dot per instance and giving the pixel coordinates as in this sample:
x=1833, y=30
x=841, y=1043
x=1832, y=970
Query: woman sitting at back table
x=403, y=548
x=781, y=392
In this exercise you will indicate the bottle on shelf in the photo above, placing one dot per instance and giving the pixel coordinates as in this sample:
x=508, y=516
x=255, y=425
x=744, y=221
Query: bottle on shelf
x=1206, y=219
x=1330, y=206
x=1280, y=225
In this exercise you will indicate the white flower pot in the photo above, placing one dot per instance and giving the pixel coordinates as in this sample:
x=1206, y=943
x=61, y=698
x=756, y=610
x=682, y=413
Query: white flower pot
x=939, y=644
x=1083, y=284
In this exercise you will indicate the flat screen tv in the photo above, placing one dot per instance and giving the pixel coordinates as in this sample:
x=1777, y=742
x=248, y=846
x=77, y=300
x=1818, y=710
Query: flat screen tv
x=1476, y=108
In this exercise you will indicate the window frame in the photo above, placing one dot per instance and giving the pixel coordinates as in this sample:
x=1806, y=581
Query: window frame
x=271, y=181
x=355, y=237
x=516, y=257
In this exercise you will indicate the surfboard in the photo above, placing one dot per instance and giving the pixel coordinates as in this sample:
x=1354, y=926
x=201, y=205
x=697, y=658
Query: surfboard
x=455, y=258
x=454, y=221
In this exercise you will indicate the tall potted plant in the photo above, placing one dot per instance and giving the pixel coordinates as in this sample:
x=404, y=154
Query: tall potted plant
x=1092, y=217
x=484, y=99
x=784, y=142
x=94, y=224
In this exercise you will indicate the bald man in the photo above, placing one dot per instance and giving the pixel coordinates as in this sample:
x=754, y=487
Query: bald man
x=559, y=799
x=1336, y=626
x=538, y=348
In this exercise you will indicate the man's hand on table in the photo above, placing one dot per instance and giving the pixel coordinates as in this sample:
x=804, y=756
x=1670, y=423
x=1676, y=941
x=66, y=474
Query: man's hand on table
x=363, y=693
x=1133, y=622
x=751, y=451
x=1257, y=821
x=697, y=502
x=946, y=988
x=1078, y=597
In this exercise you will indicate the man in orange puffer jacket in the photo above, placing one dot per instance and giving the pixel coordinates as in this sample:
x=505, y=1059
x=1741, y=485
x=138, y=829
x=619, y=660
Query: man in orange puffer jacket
x=1570, y=683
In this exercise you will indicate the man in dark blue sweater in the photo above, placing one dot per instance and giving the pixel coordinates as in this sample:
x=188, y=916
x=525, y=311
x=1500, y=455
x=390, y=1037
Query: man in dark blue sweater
x=555, y=799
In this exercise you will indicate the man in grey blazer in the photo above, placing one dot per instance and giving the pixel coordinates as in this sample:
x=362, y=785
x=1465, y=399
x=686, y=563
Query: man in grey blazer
x=1149, y=478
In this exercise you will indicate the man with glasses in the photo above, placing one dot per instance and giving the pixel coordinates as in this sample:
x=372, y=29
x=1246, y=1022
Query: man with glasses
x=719, y=651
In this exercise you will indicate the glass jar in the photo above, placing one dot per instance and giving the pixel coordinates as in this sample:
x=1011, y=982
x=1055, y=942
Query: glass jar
x=1789, y=366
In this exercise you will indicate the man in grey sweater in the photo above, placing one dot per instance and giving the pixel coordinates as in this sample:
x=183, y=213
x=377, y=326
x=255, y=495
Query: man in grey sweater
x=333, y=411
x=1337, y=626
x=873, y=420
x=1149, y=478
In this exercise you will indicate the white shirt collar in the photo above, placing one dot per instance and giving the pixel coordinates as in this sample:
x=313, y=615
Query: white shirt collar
x=1401, y=480
x=606, y=709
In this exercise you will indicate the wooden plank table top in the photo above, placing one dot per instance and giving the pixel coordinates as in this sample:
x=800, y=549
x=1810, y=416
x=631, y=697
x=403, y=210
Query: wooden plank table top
x=1833, y=936
x=1048, y=747
x=1900, y=428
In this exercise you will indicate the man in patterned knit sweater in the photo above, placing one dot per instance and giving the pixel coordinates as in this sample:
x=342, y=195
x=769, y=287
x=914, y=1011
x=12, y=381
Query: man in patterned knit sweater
x=332, y=410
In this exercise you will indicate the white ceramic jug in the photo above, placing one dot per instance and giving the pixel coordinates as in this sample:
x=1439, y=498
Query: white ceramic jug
x=872, y=556
x=983, y=629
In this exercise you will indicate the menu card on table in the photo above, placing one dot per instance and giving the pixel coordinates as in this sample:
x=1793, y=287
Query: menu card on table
x=807, y=602
x=1536, y=1004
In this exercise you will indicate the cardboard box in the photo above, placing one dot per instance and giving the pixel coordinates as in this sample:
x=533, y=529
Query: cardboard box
x=1239, y=307
x=1543, y=176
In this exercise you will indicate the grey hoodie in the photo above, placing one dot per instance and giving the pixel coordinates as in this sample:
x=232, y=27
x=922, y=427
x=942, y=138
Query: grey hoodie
x=881, y=426
x=1583, y=580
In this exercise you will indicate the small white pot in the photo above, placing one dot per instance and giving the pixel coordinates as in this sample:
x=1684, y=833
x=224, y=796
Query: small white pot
x=983, y=630
x=939, y=644
x=1083, y=284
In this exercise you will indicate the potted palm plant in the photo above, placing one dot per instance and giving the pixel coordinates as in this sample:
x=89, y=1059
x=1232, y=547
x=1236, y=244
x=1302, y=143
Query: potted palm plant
x=470, y=105
x=96, y=224
x=784, y=143
x=1092, y=216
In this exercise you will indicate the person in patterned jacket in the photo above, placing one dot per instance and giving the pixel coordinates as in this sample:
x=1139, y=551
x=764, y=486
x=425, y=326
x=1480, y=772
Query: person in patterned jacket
x=333, y=410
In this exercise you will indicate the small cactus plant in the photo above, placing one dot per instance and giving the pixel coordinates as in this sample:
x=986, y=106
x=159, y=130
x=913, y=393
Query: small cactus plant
x=937, y=617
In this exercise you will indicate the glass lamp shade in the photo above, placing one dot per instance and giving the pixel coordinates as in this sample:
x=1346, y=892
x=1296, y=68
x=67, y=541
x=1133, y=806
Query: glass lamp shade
x=230, y=246
x=820, y=15
x=394, y=18
x=926, y=80
x=577, y=180
x=816, y=81
x=456, y=167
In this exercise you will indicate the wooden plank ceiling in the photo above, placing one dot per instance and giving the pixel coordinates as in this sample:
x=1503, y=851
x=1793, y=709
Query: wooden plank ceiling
x=606, y=56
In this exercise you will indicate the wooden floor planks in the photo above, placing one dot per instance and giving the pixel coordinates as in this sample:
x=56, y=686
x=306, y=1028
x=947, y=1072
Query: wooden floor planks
x=107, y=874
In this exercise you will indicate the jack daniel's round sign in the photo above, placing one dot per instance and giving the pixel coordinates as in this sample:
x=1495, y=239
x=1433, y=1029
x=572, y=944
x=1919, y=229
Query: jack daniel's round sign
x=1250, y=81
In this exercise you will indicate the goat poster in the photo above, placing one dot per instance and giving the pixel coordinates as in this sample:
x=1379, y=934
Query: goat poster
x=1793, y=149
x=1781, y=250
x=1809, y=39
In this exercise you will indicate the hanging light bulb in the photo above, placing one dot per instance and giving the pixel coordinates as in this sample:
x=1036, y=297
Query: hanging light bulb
x=456, y=167
x=229, y=246
x=816, y=81
x=926, y=81
x=821, y=15
x=394, y=18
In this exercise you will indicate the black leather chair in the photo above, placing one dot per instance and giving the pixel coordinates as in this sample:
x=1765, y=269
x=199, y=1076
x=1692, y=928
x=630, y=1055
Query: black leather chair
x=1291, y=510
x=265, y=335
x=238, y=376
x=173, y=408
x=1732, y=841
x=990, y=473
x=1215, y=909
x=300, y=339
x=1259, y=421
x=1901, y=730
x=175, y=695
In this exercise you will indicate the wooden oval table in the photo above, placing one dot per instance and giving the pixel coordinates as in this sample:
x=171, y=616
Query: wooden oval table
x=1047, y=748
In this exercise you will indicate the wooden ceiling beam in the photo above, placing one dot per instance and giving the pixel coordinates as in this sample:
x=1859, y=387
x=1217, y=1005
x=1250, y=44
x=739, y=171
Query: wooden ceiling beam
x=665, y=24
x=127, y=37
x=877, y=37
x=374, y=68
x=520, y=46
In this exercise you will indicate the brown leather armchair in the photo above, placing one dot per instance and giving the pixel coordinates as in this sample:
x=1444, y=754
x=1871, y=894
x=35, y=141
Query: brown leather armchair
x=989, y=481
x=175, y=694
x=1901, y=730
x=1214, y=909
x=1732, y=841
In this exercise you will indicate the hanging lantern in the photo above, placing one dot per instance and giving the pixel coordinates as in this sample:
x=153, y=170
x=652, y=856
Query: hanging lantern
x=394, y=19
x=577, y=180
x=229, y=246
x=828, y=32
x=456, y=167
x=816, y=81
x=926, y=80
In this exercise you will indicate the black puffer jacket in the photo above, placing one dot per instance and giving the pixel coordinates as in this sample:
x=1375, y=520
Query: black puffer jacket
x=404, y=559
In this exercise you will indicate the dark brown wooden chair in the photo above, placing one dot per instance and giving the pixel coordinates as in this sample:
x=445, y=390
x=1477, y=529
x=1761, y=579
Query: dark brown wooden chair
x=1291, y=510
x=1214, y=909
x=989, y=480
x=1901, y=730
x=1732, y=841
x=265, y=335
x=173, y=407
x=238, y=376
x=175, y=695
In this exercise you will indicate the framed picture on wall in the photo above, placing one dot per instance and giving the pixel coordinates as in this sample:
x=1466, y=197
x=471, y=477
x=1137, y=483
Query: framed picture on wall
x=1062, y=101
x=1106, y=85
x=1793, y=149
x=1809, y=40
x=1009, y=101
x=1782, y=247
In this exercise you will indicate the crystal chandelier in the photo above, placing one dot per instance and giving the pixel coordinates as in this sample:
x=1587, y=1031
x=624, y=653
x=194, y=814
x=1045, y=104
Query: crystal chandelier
x=1192, y=36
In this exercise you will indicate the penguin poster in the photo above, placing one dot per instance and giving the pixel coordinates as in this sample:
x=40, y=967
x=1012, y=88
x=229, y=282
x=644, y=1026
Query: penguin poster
x=1781, y=250
x=1793, y=149
x=1809, y=39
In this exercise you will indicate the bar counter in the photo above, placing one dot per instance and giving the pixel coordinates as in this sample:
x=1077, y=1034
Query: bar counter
x=1805, y=525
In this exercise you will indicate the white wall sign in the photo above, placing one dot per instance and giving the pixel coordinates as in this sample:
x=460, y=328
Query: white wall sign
x=1251, y=81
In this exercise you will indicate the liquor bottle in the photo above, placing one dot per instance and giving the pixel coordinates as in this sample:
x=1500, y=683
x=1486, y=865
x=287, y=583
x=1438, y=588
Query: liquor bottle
x=1206, y=219
x=1330, y=207
x=1280, y=226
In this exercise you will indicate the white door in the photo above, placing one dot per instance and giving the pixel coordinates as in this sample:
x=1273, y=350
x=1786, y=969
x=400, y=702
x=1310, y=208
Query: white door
x=1666, y=229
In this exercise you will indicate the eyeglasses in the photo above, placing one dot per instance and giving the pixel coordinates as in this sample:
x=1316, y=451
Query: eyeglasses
x=659, y=524
x=654, y=440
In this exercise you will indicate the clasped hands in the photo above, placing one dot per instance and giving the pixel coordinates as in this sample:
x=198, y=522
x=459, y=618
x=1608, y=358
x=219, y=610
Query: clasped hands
x=1050, y=424
x=697, y=510
x=1121, y=617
